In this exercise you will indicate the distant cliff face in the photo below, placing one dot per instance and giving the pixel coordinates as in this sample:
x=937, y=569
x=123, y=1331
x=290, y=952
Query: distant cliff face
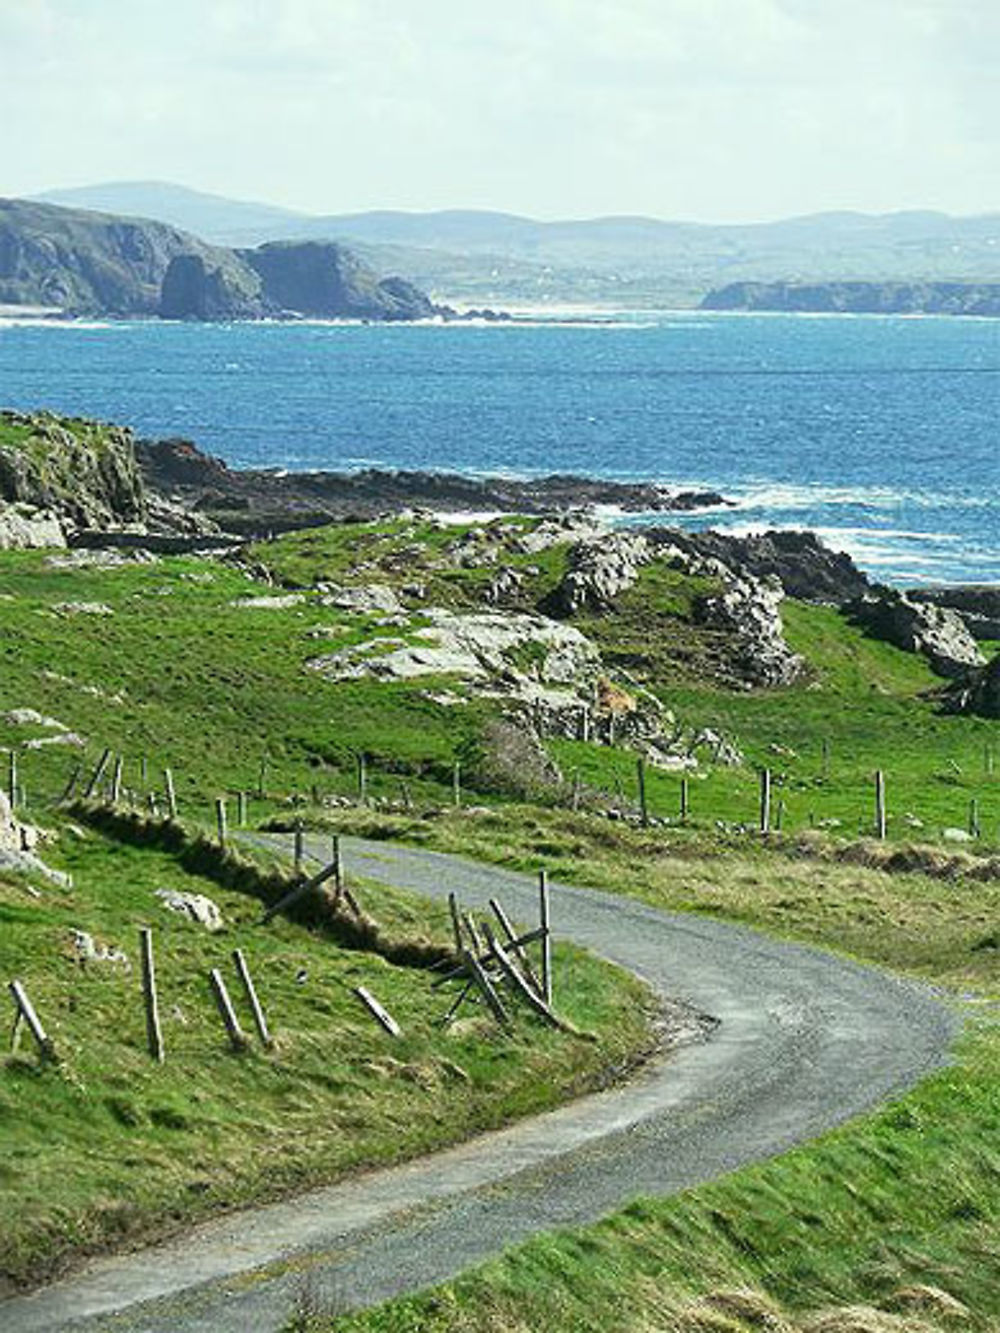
x=98, y=264
x=321, y=278
x=859, y=298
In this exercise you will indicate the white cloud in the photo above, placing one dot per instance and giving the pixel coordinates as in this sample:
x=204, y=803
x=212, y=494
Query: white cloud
x=703, y=108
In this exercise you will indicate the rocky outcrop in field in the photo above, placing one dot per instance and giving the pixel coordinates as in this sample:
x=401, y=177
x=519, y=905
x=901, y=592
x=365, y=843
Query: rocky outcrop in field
x=935, y=632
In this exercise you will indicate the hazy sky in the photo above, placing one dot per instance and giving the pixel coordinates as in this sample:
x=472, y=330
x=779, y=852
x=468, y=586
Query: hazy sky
x=715, y=110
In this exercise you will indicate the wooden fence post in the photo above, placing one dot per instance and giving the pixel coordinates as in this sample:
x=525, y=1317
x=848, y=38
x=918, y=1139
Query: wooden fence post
x=456, y=784
x=220, y=820
x=154, y=1034
x=640, y=771
x=298, y=846
x=116, y=779
x=260, y=1022
x=685, y=803
x=545, y=926
x=27, y=1012
x=880, y=818
x=241, y=809
x=12, y=779
x=97, y=774
x=765, y=800
x=974, y=826
x=338, y=866
x=226, y=1011
x=168, y=782
x=362, y=779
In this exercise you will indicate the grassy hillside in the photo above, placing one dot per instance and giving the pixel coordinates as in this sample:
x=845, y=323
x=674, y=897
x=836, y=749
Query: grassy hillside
x=201, y=666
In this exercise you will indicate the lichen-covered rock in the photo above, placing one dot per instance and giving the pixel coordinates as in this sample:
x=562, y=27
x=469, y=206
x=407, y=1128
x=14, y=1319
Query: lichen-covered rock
x=195, y=906
x=600, y=568
x=25, y=527
x=748, y=610
x=936, y=632
x=478, y=646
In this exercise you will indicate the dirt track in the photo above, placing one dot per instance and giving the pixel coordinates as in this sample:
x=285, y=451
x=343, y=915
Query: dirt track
x=805, y=1040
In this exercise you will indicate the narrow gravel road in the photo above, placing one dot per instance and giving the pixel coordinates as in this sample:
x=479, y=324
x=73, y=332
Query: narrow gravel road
x=805, y=1040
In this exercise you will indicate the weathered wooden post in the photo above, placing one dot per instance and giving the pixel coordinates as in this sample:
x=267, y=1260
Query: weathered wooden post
x=640, y=771
x=378, y=1011
x=220, y=820
x=74, y=778
x=12, y=778
x=241, y=809
x=298, y=846
x=338, y=866
x=456, y=784
x=456, y=922
x=880, y=818
x=260, y=1022
x=116, y=779
x=685, y=805
x=27, y=1012
x=168, y=783
x=362, y=779
x=544, y=922
x=143, y=770
x=226, y=1011
x=154, y=1034
x=974, y=826
x=97, y=774
x=765, y=800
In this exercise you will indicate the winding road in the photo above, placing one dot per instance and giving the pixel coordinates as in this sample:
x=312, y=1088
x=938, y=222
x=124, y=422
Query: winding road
x=804, y=1041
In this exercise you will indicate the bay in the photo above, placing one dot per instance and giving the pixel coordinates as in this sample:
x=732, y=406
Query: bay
x=879, y=433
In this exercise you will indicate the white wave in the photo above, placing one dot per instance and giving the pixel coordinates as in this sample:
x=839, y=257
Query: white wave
x=788, y=495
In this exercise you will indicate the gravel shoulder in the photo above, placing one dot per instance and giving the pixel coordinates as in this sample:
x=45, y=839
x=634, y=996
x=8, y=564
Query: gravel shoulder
x=804, y=1040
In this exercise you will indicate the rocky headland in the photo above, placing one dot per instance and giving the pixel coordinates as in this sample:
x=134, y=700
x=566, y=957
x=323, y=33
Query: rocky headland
x=859, y=298
x=77, y=263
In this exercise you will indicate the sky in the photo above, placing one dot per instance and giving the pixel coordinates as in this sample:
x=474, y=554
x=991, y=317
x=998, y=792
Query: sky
x=709, y=110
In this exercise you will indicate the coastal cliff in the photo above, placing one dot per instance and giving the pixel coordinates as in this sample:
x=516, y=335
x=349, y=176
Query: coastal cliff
x=859, y=298
x=80, y=263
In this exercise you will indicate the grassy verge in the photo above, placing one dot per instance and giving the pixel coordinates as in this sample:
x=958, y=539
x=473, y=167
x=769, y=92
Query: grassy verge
x=104, y=1148
x=878, y=1226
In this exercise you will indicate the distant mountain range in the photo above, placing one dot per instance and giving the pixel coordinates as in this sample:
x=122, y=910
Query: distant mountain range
x=487, y=258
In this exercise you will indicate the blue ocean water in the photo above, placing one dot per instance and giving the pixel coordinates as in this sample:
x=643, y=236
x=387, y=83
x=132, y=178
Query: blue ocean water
x=879, y=433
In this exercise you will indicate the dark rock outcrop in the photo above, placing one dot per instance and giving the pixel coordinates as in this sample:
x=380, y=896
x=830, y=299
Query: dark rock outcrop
x=859, y=298
x=321, y=278
x=978, y=692
x=194, y=289
x=807, y=569
x=936, y=632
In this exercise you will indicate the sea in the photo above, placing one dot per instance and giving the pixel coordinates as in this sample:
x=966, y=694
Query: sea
x=881, y=434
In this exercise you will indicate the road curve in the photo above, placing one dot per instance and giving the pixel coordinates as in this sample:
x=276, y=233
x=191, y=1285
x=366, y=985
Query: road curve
x=805, y=1040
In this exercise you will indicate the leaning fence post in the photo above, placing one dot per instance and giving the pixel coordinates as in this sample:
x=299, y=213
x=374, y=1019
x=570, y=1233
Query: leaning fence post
x=27, y=1012
x=97, y=774
x=74, y=778
x=260, y=1022
x=879, y=803
x=544, y=924
x=154, y=1034
x=226, y=1011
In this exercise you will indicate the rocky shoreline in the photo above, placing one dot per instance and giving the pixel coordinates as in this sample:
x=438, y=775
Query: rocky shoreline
x=253, y=501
